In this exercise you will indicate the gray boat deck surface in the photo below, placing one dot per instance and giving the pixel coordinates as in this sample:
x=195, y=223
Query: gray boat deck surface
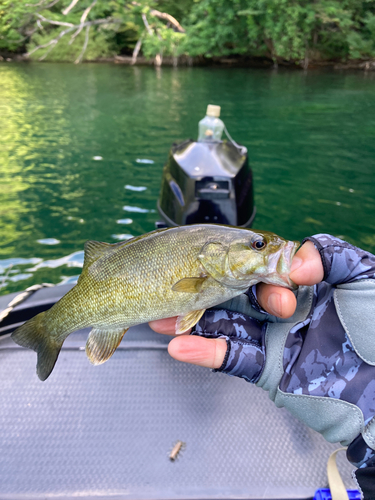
x=106, y=431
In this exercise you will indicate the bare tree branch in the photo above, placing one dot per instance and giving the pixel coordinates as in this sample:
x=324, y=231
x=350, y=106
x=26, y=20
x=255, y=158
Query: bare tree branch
x=145, y=22
x=77, y=28
x=82, y=20
x=136, y=50
x=169, y=18
x=79, y=58
x=159, y=57
x=69, y=8
x=69, y=29
x=41, y=3
x=50, y=4
x=35, y=4
x=158, y=60
x=47, y=52
x=57, y=23
x=51, y=42
x=87, y=11
x=165, y=16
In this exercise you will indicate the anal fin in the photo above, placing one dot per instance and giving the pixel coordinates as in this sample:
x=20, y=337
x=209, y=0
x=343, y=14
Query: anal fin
x=101, y=344
x=188, y=320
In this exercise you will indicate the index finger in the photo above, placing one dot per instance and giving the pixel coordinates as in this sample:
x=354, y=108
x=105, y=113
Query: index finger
x=307, y=266
x=166, y=326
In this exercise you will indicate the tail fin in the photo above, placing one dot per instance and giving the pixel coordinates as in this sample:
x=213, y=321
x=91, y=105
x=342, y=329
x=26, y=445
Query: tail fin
x=34, y=335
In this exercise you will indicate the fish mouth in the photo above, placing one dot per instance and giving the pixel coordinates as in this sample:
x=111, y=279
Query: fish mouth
x=285, y=262
x=279, y=265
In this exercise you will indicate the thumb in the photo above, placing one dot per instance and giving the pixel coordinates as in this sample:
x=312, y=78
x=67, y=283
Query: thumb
x=307, y=267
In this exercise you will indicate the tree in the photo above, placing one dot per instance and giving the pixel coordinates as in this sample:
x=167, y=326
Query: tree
x=96, y=24
x=284, y=31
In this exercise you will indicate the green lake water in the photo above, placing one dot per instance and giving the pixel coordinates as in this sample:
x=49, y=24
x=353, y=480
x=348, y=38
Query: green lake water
x=310, y=136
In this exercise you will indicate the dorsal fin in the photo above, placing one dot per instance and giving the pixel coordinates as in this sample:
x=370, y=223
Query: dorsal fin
x=94, y=250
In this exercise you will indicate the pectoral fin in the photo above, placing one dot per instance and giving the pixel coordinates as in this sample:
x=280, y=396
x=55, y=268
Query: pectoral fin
x=187, y=321
x=189, y=285
x=101, y=344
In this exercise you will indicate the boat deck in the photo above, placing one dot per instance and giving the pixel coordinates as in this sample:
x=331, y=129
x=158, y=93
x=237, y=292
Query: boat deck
x=106, y=431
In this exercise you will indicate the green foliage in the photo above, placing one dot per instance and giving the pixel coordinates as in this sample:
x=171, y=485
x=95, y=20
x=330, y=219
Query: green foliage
x=288, y=30
x=215, y=28
x=98, y=47
x=16, y=20
x=167, y=43
x=282, y=30
x=178, y=9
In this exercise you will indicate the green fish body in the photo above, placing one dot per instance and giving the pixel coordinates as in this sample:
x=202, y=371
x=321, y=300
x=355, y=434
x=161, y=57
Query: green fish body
x=170, y=272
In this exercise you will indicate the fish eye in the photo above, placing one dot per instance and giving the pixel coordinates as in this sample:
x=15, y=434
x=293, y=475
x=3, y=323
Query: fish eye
x=259, y=244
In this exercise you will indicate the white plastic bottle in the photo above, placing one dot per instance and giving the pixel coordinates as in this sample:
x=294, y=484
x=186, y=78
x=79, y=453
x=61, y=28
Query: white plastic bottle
x=211, y=127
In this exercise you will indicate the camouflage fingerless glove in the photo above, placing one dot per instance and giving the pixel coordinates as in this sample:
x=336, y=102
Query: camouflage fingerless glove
x=320, y=363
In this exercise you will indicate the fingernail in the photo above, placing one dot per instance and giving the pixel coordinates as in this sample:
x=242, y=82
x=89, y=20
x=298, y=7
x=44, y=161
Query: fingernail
x=296, y=263
x=274, y=304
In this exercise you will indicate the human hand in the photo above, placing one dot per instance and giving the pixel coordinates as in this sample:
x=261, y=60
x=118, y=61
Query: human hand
x=307, y=269
x=314, y=353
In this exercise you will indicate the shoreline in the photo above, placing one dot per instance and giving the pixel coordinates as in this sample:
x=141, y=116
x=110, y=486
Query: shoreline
x=224, y=62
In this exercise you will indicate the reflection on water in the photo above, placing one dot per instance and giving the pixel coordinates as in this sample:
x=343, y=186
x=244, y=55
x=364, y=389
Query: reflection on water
x=136, y=209
x=139, y=160
x=79, y=146
x=125, y=221
x=73, y=260
x=135, y=188
x=121, y=237
x=7, y=263
x=48, y=241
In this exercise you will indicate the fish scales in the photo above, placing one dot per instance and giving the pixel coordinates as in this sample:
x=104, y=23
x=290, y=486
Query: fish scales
x=170, y=272
x=135, y=278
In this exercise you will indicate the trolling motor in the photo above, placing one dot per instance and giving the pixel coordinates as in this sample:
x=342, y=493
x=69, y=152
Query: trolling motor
x=208, y=180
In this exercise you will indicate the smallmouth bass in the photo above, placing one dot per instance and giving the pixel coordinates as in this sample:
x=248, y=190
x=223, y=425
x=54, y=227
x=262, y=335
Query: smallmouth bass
x=179, y=271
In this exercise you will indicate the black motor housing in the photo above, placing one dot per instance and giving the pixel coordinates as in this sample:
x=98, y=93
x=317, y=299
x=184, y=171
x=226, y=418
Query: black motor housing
x=206, y=182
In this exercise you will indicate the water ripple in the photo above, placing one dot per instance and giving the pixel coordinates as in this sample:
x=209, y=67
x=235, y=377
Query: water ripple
x=124, y=221
x=48, y=241
x=310, y=141
x=73, y=260
x=67, y=280
x=139, y=210
x=122, y=236
x=144, y=160
x=8, y=263
x=135, y=188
